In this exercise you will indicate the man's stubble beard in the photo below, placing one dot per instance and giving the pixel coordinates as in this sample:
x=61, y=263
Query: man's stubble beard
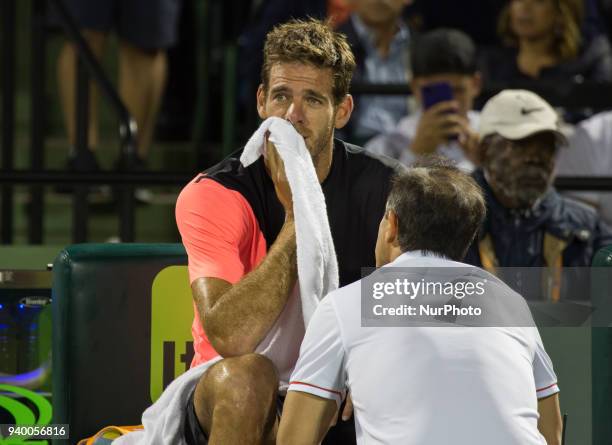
x=323, y=143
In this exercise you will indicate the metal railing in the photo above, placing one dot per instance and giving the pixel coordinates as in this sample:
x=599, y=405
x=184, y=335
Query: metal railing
x=564, y=183
x=7, y=14
x=87, y=66
x=592, y=95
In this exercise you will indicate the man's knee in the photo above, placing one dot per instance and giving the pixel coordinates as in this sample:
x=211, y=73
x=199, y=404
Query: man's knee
x=238, y=389
x=248, y=376
x=248, y=380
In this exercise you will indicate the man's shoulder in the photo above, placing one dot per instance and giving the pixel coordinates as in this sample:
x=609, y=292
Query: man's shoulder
x=202, y=187
x=226, y=185
x=345, y=301
x=229, y=173
x=365, y=160
x=574, y=213
x=230, y=165
x=220, y=178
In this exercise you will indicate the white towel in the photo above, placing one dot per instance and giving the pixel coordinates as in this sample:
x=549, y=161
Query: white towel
x=316, y=256
x=164, y=420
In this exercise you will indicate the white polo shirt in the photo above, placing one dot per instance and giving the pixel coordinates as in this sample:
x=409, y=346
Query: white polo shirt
x=426, y=385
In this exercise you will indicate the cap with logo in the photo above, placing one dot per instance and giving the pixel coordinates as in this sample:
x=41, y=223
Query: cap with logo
x=517, y=114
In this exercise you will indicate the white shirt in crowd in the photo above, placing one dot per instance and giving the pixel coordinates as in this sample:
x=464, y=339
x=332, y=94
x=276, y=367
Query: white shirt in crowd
x=590, y=154
x=377, y=113
x=396, y=143
x=426, y=385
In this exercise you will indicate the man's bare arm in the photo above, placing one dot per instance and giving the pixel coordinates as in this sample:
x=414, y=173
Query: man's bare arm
x=305, y=420
x=237, y=317
x=550, y=423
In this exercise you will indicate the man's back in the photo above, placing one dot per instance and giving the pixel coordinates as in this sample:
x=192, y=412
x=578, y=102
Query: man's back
x=430, y=384
x=440, y=385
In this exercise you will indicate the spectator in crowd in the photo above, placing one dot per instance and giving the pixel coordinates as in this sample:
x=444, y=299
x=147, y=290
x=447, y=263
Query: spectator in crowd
x=338, y=12
x=446, y=128
x=379, y=39
x=427, y=15
x=145, y=29
x=543, y=40
x=590, y=154
x=464, y=384
x=528, y=223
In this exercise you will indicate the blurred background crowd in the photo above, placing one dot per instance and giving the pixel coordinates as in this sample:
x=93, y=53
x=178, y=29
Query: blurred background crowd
x=187, y=72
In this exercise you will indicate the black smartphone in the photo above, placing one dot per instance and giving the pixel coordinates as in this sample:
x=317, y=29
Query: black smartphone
x=435, y=93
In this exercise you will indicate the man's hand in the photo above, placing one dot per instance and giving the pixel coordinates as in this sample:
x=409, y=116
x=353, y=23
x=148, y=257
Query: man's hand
x=469, y=141
x=276, y=169
x=437, y=125
x=347, y=412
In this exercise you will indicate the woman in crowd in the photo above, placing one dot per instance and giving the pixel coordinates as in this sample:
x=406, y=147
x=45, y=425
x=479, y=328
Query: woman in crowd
x=543, y=40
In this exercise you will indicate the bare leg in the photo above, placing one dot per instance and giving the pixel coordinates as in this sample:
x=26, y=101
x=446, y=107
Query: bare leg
x=235, y=401
x=66, y=78
x=142, y=76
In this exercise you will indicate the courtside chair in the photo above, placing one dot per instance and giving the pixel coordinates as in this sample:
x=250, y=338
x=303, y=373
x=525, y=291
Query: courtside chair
x=122, y=317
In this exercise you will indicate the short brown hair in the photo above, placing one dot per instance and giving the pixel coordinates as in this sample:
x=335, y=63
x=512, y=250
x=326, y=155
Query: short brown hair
x=312, y=42
x=567, y=36
x=439, y=208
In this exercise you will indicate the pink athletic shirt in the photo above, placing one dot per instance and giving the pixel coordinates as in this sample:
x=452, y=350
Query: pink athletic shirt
x=226, y=248
x=230, y=215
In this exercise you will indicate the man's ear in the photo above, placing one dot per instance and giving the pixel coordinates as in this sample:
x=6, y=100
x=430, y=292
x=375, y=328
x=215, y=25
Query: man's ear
x=391, y=234
x=343, y=111
x=261, y=101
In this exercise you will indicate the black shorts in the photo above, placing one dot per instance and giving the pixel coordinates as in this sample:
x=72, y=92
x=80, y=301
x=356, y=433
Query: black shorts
x=195, y=435
x=147, y=24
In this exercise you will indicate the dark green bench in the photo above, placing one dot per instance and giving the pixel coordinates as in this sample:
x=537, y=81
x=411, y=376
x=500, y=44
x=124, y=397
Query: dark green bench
x=121, y=331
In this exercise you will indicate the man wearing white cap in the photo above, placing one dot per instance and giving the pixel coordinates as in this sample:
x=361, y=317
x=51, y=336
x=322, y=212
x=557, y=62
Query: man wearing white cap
x=528, y=223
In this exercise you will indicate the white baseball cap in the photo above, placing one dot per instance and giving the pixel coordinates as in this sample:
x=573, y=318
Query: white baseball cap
x=517, y=114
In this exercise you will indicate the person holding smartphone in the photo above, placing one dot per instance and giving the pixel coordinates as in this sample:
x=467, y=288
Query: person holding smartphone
x=445, y=82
